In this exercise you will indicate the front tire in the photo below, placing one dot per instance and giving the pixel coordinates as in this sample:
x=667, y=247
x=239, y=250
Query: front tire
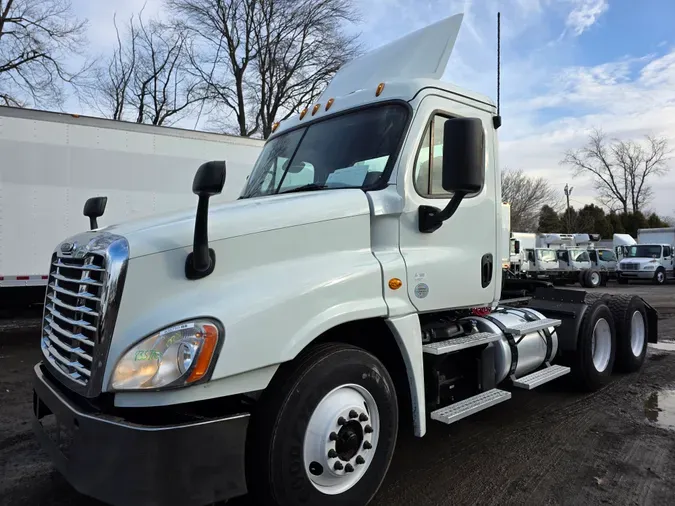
x=660, y=276
x=592, y=278
x=324, y=432
x=593, y=360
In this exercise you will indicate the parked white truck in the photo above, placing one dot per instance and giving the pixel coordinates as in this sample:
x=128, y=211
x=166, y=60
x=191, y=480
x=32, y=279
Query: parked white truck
x=52, y=162
x=270, y=344
x=562, y=258
x=650, y=259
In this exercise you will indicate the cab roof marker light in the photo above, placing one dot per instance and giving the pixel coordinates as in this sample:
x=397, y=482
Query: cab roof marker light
x=316, y=109
x=275, y=126
x=380, y=88
x=303, y=113
x=329, y=103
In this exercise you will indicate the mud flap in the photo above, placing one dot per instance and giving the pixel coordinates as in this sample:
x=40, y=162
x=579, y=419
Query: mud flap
x=652, y=323
x=568, y=306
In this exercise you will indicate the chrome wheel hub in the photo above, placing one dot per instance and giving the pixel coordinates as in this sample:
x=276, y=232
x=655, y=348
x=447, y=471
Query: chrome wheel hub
x=341, y=439
x=601, y=344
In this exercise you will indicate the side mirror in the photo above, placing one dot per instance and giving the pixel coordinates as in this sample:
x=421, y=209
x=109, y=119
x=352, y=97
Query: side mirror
x=209, y=181
x=463, y=168
x=516, y=247
x=94, y=208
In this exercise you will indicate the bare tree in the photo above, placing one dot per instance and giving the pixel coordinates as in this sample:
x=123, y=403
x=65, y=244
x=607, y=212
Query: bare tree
x=163, y=90
x=262, y=59
x=527, y=195
x=147, y=79
x=37, y=37
x=109, y=92
x=620, y=170
x=300, y=47
x=222, y=53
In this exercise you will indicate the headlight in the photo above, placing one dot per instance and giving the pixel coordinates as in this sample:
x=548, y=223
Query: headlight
x=648, y=267
x=176, y=356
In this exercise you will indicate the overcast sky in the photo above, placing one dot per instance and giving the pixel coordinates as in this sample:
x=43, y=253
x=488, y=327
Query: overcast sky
x=567, y=66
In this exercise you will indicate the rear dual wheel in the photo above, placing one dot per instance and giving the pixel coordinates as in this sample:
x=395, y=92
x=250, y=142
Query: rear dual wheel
x=324, y=432
x=593, y=359
x=630, y=317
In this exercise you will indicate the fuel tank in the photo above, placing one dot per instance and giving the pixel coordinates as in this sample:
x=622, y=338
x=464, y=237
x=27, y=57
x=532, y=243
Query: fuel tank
x=531, y=347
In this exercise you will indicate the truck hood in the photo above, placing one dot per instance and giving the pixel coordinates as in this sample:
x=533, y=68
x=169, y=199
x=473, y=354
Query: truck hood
x=242, y=217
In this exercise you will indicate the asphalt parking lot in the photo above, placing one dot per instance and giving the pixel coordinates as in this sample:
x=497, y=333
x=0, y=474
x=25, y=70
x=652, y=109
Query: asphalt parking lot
x=550, y=446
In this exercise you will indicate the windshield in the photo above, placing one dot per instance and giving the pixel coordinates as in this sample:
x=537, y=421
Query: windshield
x=644, y=251
x=579, y=255
x=348, y=151
x=546, y=255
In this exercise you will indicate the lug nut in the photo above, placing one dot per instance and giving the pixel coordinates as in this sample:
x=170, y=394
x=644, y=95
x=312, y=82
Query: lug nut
x=363, y=417
x=353, y=414
x=341, y=421
x=333, y=436
x=338, y=466
x=368, y=429
x=332, y=454
x=349, y=468
x=367, y=446
x=360, y=460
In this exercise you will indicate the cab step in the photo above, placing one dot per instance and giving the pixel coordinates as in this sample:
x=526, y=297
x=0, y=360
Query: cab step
x=460, y=343
x=540, y=377
x=462, y=409
x=535, y=326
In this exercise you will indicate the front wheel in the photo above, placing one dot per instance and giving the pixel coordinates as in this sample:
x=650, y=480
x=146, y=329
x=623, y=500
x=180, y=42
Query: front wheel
x=324, y=432
x=592, y=278
x=660, y=276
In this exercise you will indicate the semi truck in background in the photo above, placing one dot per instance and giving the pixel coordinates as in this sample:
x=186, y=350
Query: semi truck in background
x=52, y=162
x=270, y=345
x=650, y=259
x=560, y=258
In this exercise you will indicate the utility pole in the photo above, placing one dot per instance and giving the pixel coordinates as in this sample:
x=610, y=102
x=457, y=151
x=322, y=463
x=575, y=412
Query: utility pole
x=568, y=192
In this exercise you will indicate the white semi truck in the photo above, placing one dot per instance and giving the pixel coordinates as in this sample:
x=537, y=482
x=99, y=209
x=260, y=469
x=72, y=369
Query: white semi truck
x=561, y=258
x=50, y=163
x=650, y=259
x=270, y=345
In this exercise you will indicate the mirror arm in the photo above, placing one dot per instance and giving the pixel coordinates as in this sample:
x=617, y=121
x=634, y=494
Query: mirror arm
x=93, y=223
x=431, y=218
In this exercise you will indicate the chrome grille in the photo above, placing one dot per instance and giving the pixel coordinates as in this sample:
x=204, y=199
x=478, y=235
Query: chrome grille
x=72, y=317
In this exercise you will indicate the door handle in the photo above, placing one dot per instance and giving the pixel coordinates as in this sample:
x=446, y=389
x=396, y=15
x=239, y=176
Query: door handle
x=486, y=269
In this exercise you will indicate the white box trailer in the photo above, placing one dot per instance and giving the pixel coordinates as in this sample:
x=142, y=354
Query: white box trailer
x=51, y=163
x=656, y=236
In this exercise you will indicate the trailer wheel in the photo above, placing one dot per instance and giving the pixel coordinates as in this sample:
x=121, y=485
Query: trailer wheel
x=593, y=359
x=630, y=317
x=592, y=278
x=660, y=276
x=324, y=432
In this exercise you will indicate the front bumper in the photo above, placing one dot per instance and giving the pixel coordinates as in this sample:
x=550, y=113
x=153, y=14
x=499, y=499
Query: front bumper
x=635, y=274
x=124, y=463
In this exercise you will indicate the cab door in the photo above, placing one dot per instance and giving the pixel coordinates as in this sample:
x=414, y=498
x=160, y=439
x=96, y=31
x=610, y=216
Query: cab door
x=457, y=265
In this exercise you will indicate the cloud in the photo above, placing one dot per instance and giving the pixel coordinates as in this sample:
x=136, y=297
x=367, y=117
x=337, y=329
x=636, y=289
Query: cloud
x=585, y=14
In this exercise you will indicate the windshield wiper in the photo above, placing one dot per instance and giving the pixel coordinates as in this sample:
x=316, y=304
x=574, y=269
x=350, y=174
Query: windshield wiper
x=305, y=188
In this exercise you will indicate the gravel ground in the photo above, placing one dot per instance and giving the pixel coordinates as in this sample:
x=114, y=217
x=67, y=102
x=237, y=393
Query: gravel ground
x=545, y=447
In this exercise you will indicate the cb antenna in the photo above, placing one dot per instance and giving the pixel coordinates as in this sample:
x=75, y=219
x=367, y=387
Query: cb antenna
x=497, y=120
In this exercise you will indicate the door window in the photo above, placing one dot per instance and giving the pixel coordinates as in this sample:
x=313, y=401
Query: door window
x=429, y=163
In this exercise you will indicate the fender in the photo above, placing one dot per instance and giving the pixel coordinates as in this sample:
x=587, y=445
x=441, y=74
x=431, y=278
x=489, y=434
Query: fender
x=408, y=334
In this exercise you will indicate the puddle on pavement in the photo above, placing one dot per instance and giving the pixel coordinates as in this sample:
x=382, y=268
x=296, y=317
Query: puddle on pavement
x=663, y=346
x=660, y=408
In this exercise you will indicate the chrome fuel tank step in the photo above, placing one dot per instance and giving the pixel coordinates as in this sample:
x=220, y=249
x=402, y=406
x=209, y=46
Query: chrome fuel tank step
x=462, y=409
